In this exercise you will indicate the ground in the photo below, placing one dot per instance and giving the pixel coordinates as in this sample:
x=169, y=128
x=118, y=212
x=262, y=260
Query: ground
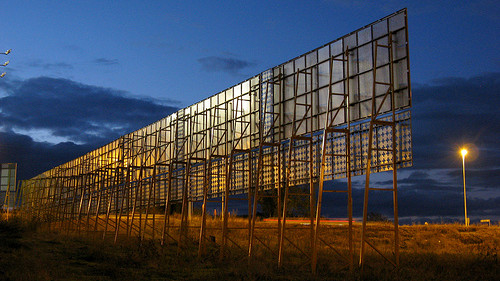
x=428, y=252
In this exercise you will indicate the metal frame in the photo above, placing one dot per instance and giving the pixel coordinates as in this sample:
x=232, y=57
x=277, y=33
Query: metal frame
x=268, y=160
x=330, y=129
x=299, y=163
x=306, y=122
x=11, y=172
x=373, y=147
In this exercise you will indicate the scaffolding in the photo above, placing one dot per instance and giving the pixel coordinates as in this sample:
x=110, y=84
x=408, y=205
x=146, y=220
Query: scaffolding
x=338, y=111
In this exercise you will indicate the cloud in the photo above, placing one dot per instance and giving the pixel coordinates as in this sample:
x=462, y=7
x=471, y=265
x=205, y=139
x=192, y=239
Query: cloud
x=412, y=203
x=427, y=181
x=455, y=111
x=85, y=116
x=36, y=157
x=77, y=112
x=105, y=61
x=223, y=64
x=446, y=114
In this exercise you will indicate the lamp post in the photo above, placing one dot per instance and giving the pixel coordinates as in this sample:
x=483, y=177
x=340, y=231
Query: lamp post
x=464, y=152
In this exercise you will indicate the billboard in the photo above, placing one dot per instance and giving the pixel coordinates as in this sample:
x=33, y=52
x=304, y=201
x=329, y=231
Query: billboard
x=256, y=121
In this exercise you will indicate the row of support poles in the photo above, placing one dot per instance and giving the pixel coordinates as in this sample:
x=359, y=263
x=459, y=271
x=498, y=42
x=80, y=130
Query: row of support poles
x=268, y=161
x=163, y=151
x=123, y=179
x=135, y=170
x=167, y=142
x=216, y=168
x=299, y=161
x=378, y=123
x=329, y=135
x=214, y=155
x=196, y=169
x=238, y=168
x=150, y=191
x=176, y=179
x=145, y=145
x=180, y=175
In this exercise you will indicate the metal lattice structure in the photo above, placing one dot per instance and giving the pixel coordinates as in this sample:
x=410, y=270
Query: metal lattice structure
x=9, y=195
x=338, y=111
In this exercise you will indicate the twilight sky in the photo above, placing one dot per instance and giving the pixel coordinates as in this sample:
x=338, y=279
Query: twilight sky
x=82, y=73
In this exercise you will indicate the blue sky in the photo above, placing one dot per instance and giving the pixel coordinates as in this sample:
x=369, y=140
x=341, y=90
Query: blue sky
x=153, y=48
x=82, y=73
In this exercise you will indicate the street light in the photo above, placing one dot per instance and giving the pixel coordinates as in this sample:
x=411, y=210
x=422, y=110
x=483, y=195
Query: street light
x=464, y=152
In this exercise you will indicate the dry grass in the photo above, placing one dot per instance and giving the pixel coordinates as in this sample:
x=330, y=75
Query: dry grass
x=430, y=252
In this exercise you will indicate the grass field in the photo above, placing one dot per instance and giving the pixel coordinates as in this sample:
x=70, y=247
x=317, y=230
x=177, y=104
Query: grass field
x=428, y=252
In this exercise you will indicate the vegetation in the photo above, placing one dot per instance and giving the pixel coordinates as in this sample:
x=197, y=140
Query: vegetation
x=372, y=216
x=428, y=252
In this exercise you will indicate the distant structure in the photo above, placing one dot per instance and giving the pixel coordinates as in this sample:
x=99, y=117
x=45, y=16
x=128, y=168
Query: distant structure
x=8, y=190
x=338, y=111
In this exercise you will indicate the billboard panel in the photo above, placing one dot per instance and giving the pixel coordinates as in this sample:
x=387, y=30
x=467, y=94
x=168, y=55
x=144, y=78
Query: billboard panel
x=195, y=146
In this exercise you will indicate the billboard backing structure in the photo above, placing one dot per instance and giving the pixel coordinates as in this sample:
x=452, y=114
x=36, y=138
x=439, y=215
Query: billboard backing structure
x=8, y=190
x=338, y=111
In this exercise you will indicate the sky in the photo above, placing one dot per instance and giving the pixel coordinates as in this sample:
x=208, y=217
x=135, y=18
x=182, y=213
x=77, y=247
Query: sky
x=83, y=73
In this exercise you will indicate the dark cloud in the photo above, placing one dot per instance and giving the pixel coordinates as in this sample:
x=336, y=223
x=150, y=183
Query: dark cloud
x=413, y=203
x=446, y=114
x=77, y=112
x=447, y=180
x=484, y=179
x=223, y=64
x=86, y=116
x=455, y=111
x=424, y=182
x=36, y=157
x=104, y=61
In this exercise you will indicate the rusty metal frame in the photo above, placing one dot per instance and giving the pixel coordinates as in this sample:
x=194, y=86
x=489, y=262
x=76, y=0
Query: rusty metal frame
x=270, y=142
x=238, y=165
x=376, y=122
x=218, y=151
x=330, y=129
x=301, y=136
